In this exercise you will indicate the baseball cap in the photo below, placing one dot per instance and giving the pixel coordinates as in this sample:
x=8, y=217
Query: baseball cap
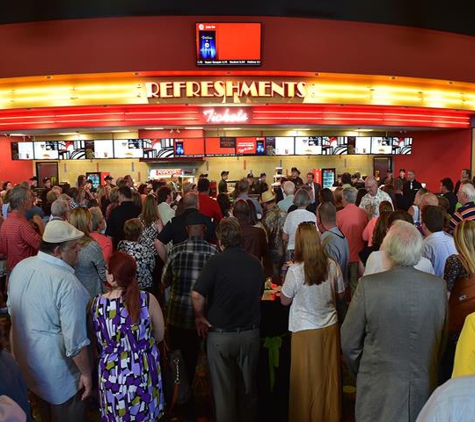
x=196, y=219
x=262, y=175
x=404, y=170
x=57, y=231
x=224, y=172
x=250, y=175
x=295, y=169
x=108, y=177
x=34, y=178
x=46, y=179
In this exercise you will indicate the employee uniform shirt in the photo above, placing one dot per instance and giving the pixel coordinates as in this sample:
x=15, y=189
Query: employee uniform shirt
x=47, y=304
x=210, y=207
x=437, y=248
x=233, y=283
x=119, y=215
x=182, y=269
x=369, y=201
x=223, y=186
x=466, y=212
x=18, y=239
x=352, y=221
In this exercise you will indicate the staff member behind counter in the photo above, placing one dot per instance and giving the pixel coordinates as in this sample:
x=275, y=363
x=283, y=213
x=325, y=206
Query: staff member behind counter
x=223, y=185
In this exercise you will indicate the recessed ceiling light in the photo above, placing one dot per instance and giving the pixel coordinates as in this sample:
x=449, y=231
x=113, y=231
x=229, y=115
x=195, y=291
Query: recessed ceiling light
x=18, y=134
x=153, y=128
x=68, y=133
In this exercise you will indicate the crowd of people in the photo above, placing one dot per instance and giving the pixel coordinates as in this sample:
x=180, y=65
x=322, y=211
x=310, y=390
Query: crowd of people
x=98, y=279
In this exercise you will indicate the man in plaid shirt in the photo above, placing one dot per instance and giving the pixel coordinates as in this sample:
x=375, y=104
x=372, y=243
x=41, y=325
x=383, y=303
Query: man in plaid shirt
x=181, y=271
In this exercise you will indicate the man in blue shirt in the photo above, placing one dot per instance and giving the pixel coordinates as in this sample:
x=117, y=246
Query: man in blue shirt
x=47, y=304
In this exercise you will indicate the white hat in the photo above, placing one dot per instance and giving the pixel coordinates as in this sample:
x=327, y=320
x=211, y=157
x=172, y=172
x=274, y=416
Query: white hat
x=57, y=231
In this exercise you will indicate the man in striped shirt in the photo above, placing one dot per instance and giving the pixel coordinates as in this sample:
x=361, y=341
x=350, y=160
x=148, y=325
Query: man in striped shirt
x=465, y=195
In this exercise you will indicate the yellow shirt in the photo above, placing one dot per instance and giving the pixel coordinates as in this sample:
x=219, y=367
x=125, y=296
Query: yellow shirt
x=464, y=363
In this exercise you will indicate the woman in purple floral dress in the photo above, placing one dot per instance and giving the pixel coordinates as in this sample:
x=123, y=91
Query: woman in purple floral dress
x=128, y=323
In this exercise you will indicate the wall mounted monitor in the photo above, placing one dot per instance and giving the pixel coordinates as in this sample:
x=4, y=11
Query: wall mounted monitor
x=381, y=145
x=128, y=148
x=280, y=145
x=47, y=150
x=22, y=150
x=192, y=147
x=76, y=150
x=247, y=146
x=104, y=148
x=401, y=145
x=158, y=148
x=220, y=147
x=308, y=145
x=362, y=145
x=228, y=44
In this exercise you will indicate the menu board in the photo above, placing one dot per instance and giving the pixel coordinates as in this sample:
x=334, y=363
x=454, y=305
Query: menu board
x=22, y=150
x=75, y=150
x=47, y=150
x=280, y=145
x=401, y=145
x=362, y=145
x=381, y=145
x=192, y=147
x=220, y=147
x=308, y=145
x=104, y=148
x=246, y=146
x=128, y=148
x=158, y=148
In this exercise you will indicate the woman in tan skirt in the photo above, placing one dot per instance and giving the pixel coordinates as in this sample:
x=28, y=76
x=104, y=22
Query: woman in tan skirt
x=310, y=287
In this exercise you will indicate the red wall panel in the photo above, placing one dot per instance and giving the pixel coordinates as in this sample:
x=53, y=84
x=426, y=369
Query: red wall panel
x=435, y=155
x=289, y=44
x=14, y=171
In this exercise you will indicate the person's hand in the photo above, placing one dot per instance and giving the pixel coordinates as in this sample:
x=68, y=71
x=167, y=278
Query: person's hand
x=85, y=381
x=202, y=326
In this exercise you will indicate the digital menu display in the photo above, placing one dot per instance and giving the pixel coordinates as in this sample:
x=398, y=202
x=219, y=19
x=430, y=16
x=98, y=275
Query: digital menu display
x=158, y=148
x=362, y=145
x=75, y=150
x=104, y=148
x=47, y=150
x=128, y=148
x=401, y=145
x=246, y=146
x=381, y=145
x=308, y=145
x=22, y=150
x=220, y=147
x=192, y=147
x=228, y=44
x=280, y=145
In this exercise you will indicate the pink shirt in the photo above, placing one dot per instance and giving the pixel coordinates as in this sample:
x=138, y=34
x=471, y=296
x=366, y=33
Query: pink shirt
x=369, y=230
x=352, y=221
x=105, y=243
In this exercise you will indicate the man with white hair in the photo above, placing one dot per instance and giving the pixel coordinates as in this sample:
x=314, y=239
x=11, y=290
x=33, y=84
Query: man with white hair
x=394, y=332
x=465, y=195
x=370, y=202
x=289, y=191
x=59, y=210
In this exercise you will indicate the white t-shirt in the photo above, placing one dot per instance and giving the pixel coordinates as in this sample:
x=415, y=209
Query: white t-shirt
x=378, y=262
x=293, y=220
x=313, y=307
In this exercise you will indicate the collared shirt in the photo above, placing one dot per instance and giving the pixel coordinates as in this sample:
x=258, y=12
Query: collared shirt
x=369, y=201
x=466, y=212
x=273, y=222
x=47, y=304
x=166, y=212
x=18, y=239
x=181, y=271
x=352, y=221
x=286, y=203
x=209, y=207
x=437, y=248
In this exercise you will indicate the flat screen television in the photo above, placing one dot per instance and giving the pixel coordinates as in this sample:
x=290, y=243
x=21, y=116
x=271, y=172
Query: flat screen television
x=47, y=150
x=228, y=44
x=280, y=145
x=104, y=148
x=128, y=148
x=22, y=150
x=191, y=147
x=381, y=145
x=220, y=147
x=308, y=145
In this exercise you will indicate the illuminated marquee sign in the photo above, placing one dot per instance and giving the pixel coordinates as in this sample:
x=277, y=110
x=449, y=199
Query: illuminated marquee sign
x=226, y=116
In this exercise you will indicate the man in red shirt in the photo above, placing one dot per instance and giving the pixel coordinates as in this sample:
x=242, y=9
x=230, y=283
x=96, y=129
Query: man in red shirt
x=18, y=238
x=208, y=206
x=352, y=221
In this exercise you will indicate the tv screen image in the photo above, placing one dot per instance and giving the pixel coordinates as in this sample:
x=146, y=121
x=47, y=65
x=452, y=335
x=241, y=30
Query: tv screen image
x=104, y=148
x=228, y=44
x=401, y=145
x=381, y=145
x=22, y=150
x=308, y=145
x=47, y=150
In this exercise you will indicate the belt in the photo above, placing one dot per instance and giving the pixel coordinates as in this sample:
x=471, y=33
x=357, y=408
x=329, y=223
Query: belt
x=233, y=330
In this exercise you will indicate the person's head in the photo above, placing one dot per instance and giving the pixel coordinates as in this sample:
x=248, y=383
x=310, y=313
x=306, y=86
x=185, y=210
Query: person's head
x=263, y=177
x=241, y=211
x=465, y=174
x=371, y=185
x=174, y=178
x=20, y=198
x=33, y=182
x=398, y=184
x=82, y=180
x=402, y=173
x=295, y=172
x=385, y=206
x=61, y=240
x=224, y=203
x=142, y=189
x=196, y=225
x=400, y=215
x=310, y=177
x=137, y=199
x=403, y=244
x=164, y=194
x=428, y=199
x=326, y=216
x=81, y=219
x=129, y=181
x=228, y=233
x=465, y=194
x=203, y=186
x=114, y=195
x=325, y=195
x=51, y=196
x=189, y=187
x=464, y=238
x=60, y=208
x=190, y=200
x=125, y=194
x=57, y=189
x=268, y=200
x=97, y=219
x=243, y=186
x=411, y=175
x=224, y=175
x=302, y=198
x=132, y=229
x=250, y=178
x=348, y=196
x=446, y=185
x=121, y=273
x=381, y=228
x=359, y=196
x=253, y=218
x=346, y=179
x=338, y=196
x=433, y=219
x=149, y=210
x=308, y=249
x=289, y=188
x=444, y=203
x=108, y=179
x=47, y=183
x=420, y=193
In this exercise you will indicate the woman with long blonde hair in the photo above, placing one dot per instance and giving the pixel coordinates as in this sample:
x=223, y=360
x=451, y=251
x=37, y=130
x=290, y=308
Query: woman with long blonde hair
x=151, y=223
x=311, y=287
x=90, y=267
